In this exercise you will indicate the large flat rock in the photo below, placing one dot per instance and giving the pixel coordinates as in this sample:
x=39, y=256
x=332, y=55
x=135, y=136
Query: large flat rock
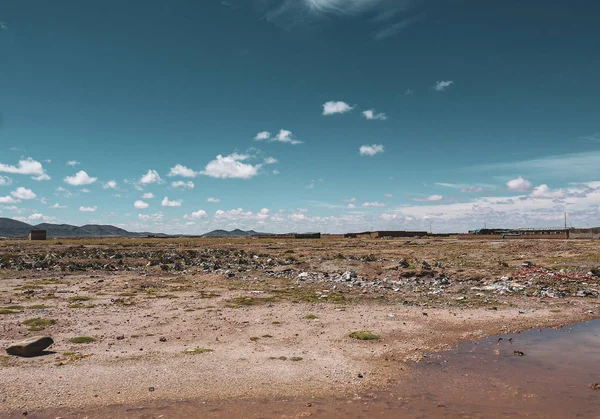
x=32, y=346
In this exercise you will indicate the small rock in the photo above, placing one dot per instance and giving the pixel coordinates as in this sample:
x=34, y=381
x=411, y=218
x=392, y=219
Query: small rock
x=30, y=347
x=121, y=337
x=594, y=386
x=360, y=375
x=519, y=353
x=163, y=339
x=151, y=389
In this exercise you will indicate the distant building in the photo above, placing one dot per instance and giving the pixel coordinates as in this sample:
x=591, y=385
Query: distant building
x=37, y=235
x=382, y=234
x=308, y=236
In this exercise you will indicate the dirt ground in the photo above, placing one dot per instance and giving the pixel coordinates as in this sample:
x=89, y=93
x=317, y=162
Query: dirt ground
x=214, y=319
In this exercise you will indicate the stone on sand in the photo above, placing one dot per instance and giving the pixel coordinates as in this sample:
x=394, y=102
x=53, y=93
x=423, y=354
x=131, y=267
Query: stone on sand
x=30, y=347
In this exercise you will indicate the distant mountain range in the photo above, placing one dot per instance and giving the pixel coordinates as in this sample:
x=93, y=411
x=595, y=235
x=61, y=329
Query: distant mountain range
x=14, y=228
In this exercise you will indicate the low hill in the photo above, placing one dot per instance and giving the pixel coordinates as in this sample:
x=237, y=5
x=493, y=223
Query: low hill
x=233, y=233
x=14, y=228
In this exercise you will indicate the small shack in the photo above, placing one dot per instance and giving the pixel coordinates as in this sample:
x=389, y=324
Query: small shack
x=37, y=235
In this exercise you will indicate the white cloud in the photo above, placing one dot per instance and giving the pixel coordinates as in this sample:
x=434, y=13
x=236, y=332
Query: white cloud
x=35, y=217
x=332, y=107
x=80, y=178
x=231, y=167
x=41, y=177
x=8, y=200
x=166, y=203
x=351, y=206
x=85, y=190
x=370, y=150
x=26, y=167
x=198, y=215
x=183, y=185
x=518, y=185
x=388, y=195
x=270, y=160
x=388, y=216
x=430, y=198
x=213, y=200
x=88, y=209
x=141, y=204
x=240, y=214
x=5, y=181
x=263, y=214
x=183, y=171
x=151, y=177
x=261, y=136
x=72, y=163
x=440, y=86
x=285, y=136
x=58, y=206
x=349, y=200
x=544, y=192
x=373, y=204
x=111, y=184
x=297, y=217
x=148, y=195
x=370, y=114
x=23, y=193
x=157, y=218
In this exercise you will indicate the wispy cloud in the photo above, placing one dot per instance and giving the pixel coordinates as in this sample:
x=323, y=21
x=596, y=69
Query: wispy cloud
x=584, y=164
x=168, y=203
x=593, y=138
x=370, y=114
x=430, y=198
x=397, y=27
x=385, y=13
x=440, y=86
x=284, y=136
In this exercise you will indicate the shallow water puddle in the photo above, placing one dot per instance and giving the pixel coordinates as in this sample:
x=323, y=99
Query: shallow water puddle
x=534, y=374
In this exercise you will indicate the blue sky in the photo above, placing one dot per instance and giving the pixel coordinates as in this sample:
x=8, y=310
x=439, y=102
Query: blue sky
x=303, y=115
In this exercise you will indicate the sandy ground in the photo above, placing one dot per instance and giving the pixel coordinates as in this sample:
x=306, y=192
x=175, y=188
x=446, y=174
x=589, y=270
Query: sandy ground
x=270, y=335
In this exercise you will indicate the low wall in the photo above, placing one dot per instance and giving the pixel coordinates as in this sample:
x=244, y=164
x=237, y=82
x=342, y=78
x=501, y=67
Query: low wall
x=561, y=236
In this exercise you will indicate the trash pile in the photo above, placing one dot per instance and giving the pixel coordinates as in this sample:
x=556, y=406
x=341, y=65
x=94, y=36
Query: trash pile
x=531, y=280
x=431, y=282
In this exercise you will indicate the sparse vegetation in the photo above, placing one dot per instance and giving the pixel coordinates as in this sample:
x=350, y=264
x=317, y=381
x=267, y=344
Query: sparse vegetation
x=80, y=298
x=364, y=335
x=194, y=351
x=311, y=316
x=82, y=339
x=38, y=324
x=7, y=311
